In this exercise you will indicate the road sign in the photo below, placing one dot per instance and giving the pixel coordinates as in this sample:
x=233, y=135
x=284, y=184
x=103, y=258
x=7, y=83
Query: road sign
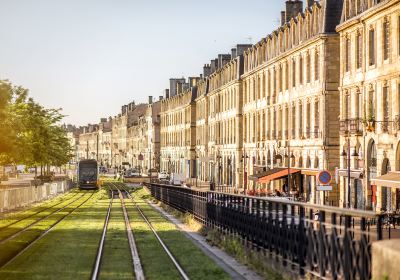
x=324, y=188
x=324, y=177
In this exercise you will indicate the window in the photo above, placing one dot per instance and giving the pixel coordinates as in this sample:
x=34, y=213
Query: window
x=275, y=87
x=308, y=68
x=371, y=47
x=398, y=34
x=359, y=51
x=386, y=39
x=371, y=106
x=316, y=66
x=347, y=54
x=386, y=108
x=286, y=76
x=360, y=105
x=347, y=106
x=294, y=73
x=316, y=116
x=386, y=102
x=300, y=119
x=301, y=70
x=293, y=124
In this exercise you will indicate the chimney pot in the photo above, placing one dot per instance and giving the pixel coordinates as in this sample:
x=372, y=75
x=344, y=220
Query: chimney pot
x=293, y=8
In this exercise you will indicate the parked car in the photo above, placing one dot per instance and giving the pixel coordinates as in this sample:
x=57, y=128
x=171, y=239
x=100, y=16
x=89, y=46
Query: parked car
x=163, y=176
x=129, y=173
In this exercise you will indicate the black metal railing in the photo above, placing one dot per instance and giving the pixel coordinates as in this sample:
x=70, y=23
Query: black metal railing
x=324, y=241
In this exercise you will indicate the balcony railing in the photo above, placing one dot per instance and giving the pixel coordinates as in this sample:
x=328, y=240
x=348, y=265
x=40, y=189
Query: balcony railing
x=352, y=126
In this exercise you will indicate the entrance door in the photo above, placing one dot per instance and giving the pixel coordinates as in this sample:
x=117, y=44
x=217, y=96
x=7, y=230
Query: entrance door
x=359, y=194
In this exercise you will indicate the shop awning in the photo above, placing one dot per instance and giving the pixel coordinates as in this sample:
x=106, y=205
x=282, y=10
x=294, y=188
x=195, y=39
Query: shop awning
x=357, y=174
x=391, y=179
x=273, y=174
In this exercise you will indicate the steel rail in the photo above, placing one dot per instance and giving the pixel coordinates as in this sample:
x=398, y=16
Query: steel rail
x=170, y=255
x=44, y=233
x=96, y=267
x=38, y=212
x=132, y=244
x=36, y=222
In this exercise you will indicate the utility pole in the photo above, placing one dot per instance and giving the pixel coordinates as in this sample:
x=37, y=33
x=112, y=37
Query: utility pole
x=87, y=149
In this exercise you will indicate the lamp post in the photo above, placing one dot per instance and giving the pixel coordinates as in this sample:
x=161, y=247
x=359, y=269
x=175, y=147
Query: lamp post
x=244, y=159
x=197, y=165
x=348, y=158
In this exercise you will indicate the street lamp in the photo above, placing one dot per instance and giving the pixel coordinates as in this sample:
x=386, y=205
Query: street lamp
x=347, y=155
x=244, y=159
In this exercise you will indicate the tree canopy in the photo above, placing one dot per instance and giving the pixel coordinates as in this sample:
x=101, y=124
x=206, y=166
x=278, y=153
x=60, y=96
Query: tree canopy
x=29, y=133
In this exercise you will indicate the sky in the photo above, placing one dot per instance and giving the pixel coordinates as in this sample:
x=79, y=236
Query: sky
x=90, y=57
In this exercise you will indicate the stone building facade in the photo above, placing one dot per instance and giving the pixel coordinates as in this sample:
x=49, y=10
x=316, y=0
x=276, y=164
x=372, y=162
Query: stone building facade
x=225, y=103
x=370, y=104
x=178, y=131
x=291, y=101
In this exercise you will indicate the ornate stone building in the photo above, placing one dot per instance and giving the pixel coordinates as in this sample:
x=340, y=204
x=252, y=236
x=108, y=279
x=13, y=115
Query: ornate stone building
x=291, y=101
x=178, y=130
x=225, y=102
x=370, y=104
x=203, y=161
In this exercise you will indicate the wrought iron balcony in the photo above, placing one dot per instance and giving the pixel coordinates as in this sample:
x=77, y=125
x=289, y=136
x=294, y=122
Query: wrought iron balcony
x=351, y=126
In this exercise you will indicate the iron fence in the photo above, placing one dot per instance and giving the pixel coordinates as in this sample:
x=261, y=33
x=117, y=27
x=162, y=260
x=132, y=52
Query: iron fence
x=323, y=241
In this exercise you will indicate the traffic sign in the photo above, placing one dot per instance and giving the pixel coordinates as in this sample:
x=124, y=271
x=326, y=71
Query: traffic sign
x=324, y=177
x=324, y=188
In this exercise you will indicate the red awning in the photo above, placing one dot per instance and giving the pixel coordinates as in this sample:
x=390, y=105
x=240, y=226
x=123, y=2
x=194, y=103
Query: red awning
x=277, y=175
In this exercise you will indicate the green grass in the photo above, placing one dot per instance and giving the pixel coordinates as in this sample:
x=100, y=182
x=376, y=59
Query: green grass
x=12, y=247
x=116, y=262
x=68, y=251
x=192, y=259
x=155, y=262
x=30, y=220
x=9, y=218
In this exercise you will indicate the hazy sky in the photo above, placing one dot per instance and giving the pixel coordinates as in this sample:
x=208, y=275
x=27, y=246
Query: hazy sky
x=92, y=56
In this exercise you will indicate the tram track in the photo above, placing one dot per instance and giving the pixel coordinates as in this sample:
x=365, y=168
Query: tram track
x=44, y=233
x=36, y=213
x=8, y=238
x=137, y=267
x=178, y=267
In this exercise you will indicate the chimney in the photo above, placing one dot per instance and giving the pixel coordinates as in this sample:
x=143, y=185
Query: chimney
x=233, y=53
x=283, y=18
x=206, y=70
x=293, y=8
x=310, y=3
x=150, y=99
x=214, y=65
x=166, y=93
x=179, y=88
x=223, y=59
x=160, y=98
x=241, y=48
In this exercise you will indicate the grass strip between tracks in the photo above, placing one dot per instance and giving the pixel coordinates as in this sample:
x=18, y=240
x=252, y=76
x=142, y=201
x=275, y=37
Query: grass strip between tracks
x=30, y=220
x=116, y=262
x=155, y=262
x=192, y=259
x=12, y=247
x=69, y=250
x=12, y=217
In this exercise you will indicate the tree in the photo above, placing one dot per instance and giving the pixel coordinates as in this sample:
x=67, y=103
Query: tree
x=29, y=133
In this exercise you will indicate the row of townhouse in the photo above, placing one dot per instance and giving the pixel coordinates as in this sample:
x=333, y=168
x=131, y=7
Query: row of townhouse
x=321, y=92
x=129, y=140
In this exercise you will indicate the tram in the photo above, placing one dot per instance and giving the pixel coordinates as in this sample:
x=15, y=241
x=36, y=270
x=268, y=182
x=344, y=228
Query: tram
x=88, y=174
